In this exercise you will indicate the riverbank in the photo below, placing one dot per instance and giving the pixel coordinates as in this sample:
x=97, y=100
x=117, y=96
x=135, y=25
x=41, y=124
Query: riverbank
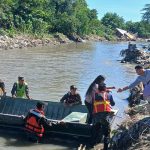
x=24, y=40
x=134, y=131
x=136, y=55
x=21, y=41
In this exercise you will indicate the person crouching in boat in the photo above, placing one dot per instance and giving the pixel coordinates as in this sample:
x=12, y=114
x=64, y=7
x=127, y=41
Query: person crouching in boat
x=72, y=97
x=102, y=102
x=20, y=89
x=35, y=121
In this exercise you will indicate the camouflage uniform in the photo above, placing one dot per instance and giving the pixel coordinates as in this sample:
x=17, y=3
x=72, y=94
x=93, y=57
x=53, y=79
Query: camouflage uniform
x=101, y=127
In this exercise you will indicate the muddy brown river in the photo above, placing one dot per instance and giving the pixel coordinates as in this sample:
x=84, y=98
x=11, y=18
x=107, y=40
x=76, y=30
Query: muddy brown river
x=50, y=71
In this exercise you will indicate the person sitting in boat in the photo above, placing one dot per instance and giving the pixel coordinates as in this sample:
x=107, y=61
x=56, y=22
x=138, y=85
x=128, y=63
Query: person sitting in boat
x=35, y=122
x=20, y=89
x=2, y=88
x=102, y=102
x=72, y=97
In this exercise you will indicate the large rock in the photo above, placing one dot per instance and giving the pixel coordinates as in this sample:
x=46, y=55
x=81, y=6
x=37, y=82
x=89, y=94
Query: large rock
x=134, y=55
x=134, y=137
x=61, y=38
x=136, y=94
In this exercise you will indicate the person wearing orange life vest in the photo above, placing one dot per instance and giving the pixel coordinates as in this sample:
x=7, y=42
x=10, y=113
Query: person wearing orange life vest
x=102, y=102
x=89, y=94
x=35, y=122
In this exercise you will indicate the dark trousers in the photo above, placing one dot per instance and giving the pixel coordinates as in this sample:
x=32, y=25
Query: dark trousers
x=101, y=128
x=32, y=137
x=90, y=111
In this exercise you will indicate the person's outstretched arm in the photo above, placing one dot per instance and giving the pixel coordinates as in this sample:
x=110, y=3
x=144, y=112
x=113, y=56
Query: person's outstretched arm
x=63, y=98
x=132, y=85
x=27, y=92
x=112, y=102
x=14, y=89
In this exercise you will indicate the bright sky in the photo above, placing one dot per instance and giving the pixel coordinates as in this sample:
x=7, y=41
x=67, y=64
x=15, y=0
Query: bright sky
x=128, y=9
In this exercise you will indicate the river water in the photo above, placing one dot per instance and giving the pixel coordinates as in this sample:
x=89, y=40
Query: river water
x=49, y=72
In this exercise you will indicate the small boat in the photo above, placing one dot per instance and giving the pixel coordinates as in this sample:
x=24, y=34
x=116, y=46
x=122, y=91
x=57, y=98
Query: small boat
x=73, y=118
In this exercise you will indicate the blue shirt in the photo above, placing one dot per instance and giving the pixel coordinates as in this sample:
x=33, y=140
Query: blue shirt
x=145, y=79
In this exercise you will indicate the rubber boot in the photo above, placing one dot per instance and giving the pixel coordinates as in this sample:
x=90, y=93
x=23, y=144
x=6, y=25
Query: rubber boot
x=105, y=146
x=106, y=143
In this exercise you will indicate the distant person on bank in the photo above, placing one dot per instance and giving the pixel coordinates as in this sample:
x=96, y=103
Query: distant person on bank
x=144, y=77
x=2, y=88
x=20, y=89
x=72, y=97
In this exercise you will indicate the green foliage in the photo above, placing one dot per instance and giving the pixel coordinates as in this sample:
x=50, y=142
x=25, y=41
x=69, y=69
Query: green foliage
x=142, y=29
x=49, y=16
x=146, y=14
x=3, y=32
x=113, y=21
x=39, y=26
x=70, y=17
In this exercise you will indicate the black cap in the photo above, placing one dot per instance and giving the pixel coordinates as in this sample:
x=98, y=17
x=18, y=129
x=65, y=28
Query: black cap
x=102, y=86
x=40, y=104
x=73, y=87
x=20, y=78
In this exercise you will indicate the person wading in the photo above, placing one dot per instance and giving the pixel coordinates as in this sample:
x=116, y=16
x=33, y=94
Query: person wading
x=102, y=102
x=89, y=94
x=35, y=122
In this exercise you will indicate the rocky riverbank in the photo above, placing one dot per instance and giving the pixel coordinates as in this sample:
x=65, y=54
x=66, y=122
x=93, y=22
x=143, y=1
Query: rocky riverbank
x=24, y=41
x=21, y=41
x=134, y=132
x=135, y=55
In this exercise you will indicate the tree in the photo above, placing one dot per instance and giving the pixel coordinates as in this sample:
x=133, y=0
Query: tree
x=81, y=14
x=6, y=15
x=146, y=14
x=69, y=17
x=142, y=29
x=113, y=21
x=132, y=26
x=93, y=14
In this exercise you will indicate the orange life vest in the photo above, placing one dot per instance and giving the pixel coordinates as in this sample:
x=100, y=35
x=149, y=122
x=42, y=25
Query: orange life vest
x=101, y=102
x=32, y=122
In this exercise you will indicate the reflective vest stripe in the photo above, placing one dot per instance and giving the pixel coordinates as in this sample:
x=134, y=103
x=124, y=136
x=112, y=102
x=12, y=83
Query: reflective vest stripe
x=36, y=113
x=32, y=125
x=101, y=105
x=33, y=129
x=37, y=127
x=105, y=103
